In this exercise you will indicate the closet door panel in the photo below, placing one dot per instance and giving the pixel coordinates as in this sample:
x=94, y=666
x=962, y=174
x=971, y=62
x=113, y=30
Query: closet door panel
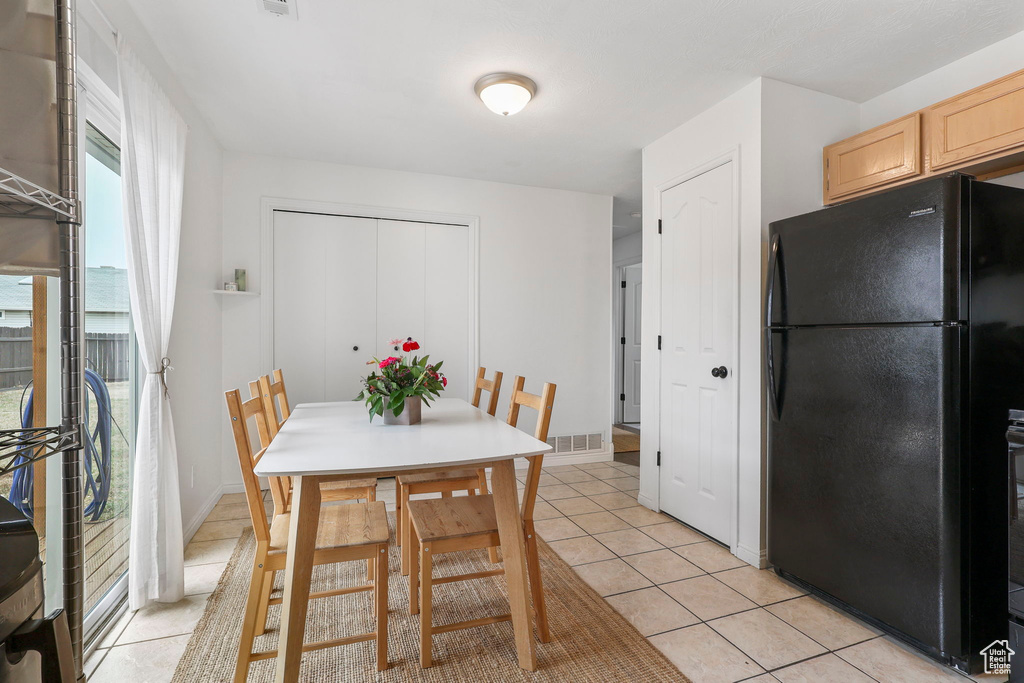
x=400, y=275
x=299, y=301
x=350, y=306
x=446, y=288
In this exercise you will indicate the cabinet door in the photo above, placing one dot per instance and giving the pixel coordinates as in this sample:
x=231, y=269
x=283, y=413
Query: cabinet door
x=876, y=157
x=978, y=123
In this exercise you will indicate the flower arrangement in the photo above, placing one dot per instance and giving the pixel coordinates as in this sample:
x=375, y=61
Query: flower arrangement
x=399, y=383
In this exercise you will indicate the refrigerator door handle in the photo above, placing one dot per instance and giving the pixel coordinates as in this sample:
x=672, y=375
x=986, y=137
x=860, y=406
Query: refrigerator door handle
x=1013, y=484
x=773, y=261
x=769, y=350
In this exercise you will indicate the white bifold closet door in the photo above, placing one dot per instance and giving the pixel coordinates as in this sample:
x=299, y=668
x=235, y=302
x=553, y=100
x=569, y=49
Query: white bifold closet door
x=345, y=286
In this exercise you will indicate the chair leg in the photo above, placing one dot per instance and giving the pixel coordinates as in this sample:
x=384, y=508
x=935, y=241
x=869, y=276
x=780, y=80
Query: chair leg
x=398, y=512
x=380, y=593
x=540, y=610
x=371, y=496
x=406, y=526
x=414, y=575
x=252, y=606
x=426, y=577
x=481, y=474
x=261, y=614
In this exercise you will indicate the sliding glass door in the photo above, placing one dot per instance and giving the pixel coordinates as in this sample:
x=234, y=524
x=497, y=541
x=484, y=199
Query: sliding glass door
x=111, y=399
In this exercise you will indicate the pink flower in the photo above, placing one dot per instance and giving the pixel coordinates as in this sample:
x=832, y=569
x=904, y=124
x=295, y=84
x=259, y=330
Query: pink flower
x=395, y=342
x=388, y=362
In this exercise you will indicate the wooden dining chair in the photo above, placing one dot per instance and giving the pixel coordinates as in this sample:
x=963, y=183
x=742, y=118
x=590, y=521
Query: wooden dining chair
x=452, y=524
x=276, y=406
x=445, y=482
x=357, y=531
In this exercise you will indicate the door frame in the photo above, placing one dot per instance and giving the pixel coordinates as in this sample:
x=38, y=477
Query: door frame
x=618, y=332
x=100, y=106
x=652, y=297
x=268, y=205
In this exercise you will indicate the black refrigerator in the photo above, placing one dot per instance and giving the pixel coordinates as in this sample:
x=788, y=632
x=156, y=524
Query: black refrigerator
x=894, y=350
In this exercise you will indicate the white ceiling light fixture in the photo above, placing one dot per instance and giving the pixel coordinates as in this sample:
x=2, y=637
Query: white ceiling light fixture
x=504, y=93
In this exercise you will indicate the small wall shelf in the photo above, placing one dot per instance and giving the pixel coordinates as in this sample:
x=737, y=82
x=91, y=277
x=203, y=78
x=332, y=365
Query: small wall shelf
x=228, y=293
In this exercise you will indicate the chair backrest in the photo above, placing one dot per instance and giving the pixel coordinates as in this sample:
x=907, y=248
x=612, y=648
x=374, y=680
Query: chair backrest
x=240, y=412
x=492, y=386
x=542, y=404
x=275, y=401
x=264, y=390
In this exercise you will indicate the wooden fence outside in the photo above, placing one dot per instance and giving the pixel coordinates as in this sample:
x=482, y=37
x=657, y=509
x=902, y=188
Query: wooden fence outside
x=107, y=353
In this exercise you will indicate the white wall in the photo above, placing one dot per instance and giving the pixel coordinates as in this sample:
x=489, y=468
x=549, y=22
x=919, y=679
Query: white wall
x=995, y=61
x=628, y=249
x=795, y=124
x=779, y=130
x=544, y=260
x=195, y=347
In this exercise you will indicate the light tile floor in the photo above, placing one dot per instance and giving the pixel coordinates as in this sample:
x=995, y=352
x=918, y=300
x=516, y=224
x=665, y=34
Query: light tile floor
x=717, y=618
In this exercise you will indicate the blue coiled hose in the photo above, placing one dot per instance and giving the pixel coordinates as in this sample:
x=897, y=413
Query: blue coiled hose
x=97, y=455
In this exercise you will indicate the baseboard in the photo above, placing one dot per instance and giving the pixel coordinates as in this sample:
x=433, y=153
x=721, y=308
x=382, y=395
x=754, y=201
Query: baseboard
x=606, y=454
x=204, y=511
x=757, y=558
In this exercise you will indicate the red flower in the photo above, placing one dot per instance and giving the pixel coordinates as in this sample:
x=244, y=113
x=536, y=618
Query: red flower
x=444, y=381
x=410, y=345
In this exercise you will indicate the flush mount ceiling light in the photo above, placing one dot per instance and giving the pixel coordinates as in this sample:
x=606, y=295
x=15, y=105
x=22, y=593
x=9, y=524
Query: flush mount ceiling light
x=505, y=93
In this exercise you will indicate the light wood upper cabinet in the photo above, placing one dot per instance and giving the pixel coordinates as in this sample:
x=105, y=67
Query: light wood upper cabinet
x=880, y=156
x=978, y=123
x=979, y=132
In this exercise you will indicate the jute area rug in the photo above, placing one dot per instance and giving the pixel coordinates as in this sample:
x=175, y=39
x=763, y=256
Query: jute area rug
x=591, y=642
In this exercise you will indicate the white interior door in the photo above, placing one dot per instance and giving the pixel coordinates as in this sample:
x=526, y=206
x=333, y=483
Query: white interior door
x=324, y=303
x=446, y=325
x=698, y=296
x=631, y=298
x=423, y=292
x=401, y=272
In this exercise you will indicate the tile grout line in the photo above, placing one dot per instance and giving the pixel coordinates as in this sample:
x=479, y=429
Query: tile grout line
x=150, y=640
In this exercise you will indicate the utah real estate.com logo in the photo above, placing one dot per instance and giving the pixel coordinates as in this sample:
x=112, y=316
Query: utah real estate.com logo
x=997, y=657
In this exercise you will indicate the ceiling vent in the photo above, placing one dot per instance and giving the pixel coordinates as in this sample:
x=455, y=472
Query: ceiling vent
x=278, y=8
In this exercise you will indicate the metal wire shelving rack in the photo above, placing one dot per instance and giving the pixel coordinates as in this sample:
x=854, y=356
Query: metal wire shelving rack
x=20, y=198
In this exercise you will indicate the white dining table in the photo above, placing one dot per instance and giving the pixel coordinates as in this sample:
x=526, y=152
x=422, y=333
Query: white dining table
x=336, y=441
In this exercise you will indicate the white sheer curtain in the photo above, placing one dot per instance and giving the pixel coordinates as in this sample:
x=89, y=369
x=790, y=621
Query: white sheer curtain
x=153, y=167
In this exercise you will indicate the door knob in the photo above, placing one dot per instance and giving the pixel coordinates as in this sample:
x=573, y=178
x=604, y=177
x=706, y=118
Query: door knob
x=720, y=372
x=355, y=348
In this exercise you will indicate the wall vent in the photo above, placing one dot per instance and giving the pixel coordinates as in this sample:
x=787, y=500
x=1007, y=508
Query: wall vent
x=576, y=443
x=278, y=8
